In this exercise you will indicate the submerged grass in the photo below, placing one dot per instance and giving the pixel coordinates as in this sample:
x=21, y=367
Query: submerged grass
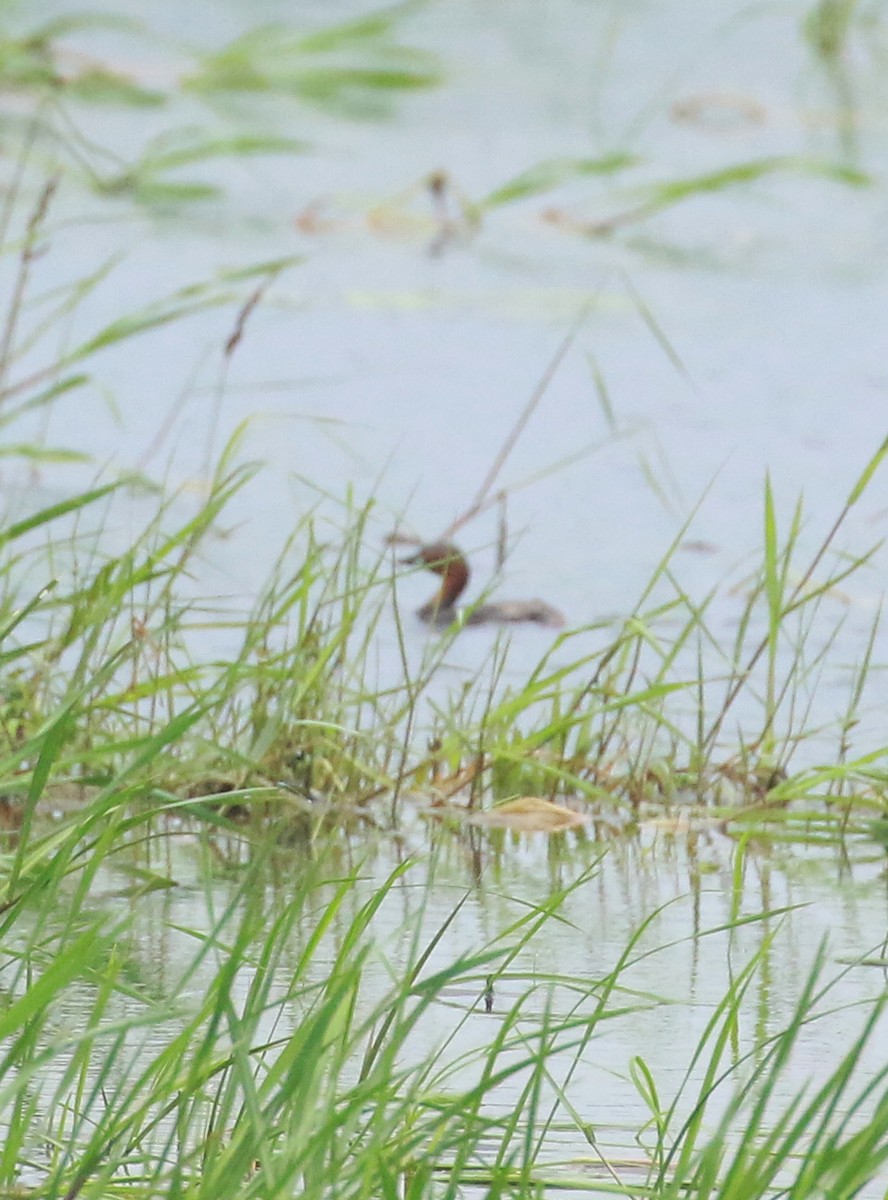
x=266, y=1059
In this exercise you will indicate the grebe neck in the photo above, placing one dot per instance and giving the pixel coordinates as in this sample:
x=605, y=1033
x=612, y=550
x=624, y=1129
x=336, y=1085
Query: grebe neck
x=448, y=562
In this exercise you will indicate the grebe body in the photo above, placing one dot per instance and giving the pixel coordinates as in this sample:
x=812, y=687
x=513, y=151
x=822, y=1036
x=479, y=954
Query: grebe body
x=449, y=562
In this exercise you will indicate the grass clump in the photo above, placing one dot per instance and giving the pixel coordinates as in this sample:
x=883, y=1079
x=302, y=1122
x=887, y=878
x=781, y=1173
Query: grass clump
x=356, y=69
x=642, y=721
x=100, y=662
x=36, y=61
x=352, y=69
x=103, y=670
x=269, y=1061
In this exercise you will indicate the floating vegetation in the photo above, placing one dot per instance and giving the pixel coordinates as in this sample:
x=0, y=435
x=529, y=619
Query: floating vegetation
x=36, y=61
x=555, y=173
x=658, y=197
x=530, y=814
x=350, y=69
x=354, y=69
x=147, y=180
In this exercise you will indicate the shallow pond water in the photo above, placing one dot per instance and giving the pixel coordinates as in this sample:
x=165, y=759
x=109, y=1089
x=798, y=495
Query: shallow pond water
x=737, y=332
x=675, y=894
x=741, y=331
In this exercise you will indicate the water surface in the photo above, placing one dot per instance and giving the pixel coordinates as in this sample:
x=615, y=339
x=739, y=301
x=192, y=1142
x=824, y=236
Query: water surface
x=740, y=332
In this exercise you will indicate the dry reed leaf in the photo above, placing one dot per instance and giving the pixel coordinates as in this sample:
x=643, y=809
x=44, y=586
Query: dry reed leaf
x=719, y=112
x=683, y=823
x=530, y=814
x=449, y=786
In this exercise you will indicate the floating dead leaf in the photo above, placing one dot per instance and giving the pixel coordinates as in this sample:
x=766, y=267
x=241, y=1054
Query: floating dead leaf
x=719, y=113
x=449, y=786
x=316, y=219
x=684, y=823
x=530, y=814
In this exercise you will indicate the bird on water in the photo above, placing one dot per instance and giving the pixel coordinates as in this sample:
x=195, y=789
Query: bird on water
x=450, y=563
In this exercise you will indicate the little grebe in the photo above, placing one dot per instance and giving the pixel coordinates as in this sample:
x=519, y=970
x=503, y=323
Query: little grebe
x=450, y=563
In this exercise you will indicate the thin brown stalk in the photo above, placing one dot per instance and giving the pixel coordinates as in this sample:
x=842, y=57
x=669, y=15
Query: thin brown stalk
x=483, y=499
x=231, y=343
x=26, y=257
x=14, y=188
x=246, y=310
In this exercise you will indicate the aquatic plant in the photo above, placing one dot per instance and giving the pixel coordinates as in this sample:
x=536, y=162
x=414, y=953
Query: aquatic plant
x=263, y=1059
x=353, y=69
x=268, y=1045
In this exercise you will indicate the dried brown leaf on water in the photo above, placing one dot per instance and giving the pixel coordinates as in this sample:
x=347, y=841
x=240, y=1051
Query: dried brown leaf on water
x=719, y=112
x=530, y=814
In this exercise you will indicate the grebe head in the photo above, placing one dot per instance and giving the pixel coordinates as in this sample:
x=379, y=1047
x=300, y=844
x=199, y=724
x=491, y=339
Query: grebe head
x=440, y=557
x=448, y=562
